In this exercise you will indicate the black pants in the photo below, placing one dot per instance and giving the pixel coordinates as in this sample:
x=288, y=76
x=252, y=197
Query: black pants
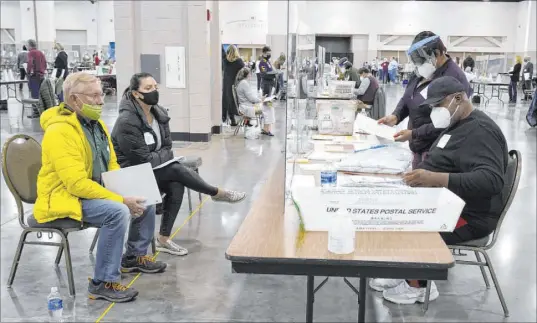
x=460, y=235
x=22, y=76
x=172, y=180
x=513, y=91
x=258, y=81
x=266, y=86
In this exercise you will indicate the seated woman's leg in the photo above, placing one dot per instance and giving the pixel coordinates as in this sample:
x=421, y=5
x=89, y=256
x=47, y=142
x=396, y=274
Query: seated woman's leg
x=172, y=204
x=176, y=172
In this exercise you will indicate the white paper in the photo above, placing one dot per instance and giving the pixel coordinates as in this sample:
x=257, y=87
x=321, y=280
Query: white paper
x=175, y=67
x=527, y=76
x=372, y=127
x=134, y=181
x=381, y=209
x=175, y=160
x=269, y=99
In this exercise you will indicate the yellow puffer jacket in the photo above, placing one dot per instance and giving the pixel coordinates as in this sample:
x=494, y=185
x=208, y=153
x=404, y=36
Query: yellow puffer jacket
x=65, y=176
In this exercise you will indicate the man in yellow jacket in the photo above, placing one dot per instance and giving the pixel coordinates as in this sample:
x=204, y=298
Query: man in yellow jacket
x=76, y=151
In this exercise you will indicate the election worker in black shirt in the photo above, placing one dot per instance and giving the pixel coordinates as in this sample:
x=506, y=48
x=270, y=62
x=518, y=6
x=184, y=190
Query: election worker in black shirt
x=470, y=159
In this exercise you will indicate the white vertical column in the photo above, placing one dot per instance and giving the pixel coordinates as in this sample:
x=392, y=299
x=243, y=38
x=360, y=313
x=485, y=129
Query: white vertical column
x=46, y=28
x=199, y=76
x=105, y=22
x=27, y=26
x=216, y=64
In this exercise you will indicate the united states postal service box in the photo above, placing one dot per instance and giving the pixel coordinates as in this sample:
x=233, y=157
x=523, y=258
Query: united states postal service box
x=380, y=209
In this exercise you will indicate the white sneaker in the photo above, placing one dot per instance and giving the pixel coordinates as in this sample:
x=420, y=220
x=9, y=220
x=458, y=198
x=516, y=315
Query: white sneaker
x=405, y=294
x=171, y=248
x=228, y=196
x=381, y=284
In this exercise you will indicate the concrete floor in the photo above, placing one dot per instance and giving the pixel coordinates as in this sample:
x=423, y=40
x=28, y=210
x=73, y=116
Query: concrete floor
x=201, y=287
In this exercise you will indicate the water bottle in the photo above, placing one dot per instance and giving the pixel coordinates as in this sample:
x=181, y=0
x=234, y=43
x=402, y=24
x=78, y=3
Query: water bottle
x=329, y=176
x=55, y=305
x=341, y=234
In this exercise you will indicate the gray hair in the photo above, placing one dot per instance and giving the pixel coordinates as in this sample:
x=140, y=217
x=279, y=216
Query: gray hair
x=59, y=46
x=242, y=74
x=32, y=43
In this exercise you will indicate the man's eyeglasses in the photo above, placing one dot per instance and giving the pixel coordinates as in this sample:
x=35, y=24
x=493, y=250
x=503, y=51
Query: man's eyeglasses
x=94, y=97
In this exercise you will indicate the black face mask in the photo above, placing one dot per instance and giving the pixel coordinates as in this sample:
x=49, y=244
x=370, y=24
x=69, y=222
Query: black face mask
x=150, y=98
x=268, y=56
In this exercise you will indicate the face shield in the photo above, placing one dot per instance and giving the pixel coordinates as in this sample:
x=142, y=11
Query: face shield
x=423, y=51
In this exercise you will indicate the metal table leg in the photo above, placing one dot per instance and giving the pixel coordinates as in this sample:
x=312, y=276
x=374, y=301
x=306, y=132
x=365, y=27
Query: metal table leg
x=309, y=299
x=361, y=299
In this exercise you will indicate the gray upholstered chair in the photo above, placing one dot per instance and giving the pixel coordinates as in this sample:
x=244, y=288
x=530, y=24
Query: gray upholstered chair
x=21, y=162
x=481, y=246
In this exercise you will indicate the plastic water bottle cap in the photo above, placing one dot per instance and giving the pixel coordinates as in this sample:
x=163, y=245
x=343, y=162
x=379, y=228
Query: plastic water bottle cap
x=54, y=290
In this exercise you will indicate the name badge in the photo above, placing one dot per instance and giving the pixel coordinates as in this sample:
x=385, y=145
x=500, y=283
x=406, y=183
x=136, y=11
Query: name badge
x=424, y=92
x=443, y=141
x=149, y=139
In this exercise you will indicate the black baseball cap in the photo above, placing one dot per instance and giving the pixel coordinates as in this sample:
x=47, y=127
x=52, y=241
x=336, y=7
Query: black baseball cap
x=441, y=87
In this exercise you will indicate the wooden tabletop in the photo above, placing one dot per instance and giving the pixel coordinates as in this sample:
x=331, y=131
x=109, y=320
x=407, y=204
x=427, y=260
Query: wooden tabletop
x=269, y=234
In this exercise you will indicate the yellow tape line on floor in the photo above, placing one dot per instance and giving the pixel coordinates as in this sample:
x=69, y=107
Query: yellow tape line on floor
x=154, y=257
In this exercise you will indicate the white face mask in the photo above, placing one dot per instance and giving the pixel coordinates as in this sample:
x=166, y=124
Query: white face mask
x=441, y=117
x=426, y=70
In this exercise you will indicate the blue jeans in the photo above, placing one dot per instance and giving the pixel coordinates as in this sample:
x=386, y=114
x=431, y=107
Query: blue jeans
x=393, y=75
x=113, y=218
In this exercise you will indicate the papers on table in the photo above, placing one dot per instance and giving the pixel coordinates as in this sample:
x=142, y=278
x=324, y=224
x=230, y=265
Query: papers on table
x=371, y=126
x=369, y=181
x=134, y=181
x=326, y=156
x=174, y=160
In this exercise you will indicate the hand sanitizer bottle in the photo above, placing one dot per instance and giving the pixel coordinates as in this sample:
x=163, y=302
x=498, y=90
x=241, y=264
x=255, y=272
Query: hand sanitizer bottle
x=341, y=235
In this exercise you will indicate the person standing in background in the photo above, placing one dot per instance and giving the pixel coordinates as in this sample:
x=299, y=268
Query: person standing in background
x=384, y=65
x=258, y=72
x=267, y=83
x=278, y=65
x=22, y=64
x=62, y=69
x=527, y=76
x=392, y=70
x=60, y=63
x=96, y=59
x=232, y=65
x=515, y=76
x=37, y=64
x=374, y=67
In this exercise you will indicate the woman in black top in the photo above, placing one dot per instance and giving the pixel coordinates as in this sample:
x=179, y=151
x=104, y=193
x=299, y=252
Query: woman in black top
x=142, y=135
x=232, y=65
x=60, y=63
x=515, y=76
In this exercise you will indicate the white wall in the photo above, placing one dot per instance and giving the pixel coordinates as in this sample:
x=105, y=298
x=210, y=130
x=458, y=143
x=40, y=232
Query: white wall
x=97, y=19
x=243, y=22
